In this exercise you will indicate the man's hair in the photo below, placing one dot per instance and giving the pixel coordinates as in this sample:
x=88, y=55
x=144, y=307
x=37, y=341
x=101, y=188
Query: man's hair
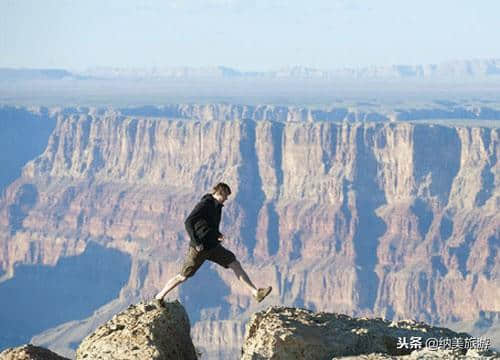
x=222, y=187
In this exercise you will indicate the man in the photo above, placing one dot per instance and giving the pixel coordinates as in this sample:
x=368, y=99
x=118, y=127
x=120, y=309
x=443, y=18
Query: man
x=202, y=225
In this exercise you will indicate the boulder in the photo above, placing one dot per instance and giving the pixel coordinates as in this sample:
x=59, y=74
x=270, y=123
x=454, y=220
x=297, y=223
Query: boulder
x=292, y=333
x=142, y=331
x=29, y=352
x=428, y=354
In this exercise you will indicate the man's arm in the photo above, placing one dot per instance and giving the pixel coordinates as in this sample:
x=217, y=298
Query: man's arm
x=195, y=218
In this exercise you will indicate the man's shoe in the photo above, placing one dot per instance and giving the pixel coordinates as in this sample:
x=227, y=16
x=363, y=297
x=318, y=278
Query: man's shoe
x=262, y=293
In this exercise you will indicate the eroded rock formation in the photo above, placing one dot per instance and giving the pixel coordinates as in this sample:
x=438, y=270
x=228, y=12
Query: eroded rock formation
x=142, y=331
x=427, y=354
x=151, y=331
x=29, y=352
x=291, y=333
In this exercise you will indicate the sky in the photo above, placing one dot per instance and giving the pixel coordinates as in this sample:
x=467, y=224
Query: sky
x=247, y=35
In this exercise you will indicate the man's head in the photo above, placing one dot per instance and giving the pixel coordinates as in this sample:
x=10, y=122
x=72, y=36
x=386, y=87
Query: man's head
x=221, y=191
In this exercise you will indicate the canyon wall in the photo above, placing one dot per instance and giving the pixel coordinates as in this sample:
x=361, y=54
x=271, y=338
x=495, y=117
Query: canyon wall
x=23, y=135
x=391, y=219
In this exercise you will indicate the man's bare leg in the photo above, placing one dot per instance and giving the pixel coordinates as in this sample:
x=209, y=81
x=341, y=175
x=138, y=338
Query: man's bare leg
x=171, y=284
x=242, y=276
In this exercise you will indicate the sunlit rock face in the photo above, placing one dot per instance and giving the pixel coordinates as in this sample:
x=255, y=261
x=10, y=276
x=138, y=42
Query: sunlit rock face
x=29, y=352
x=396, y=219
x=289, y=333
x=142, y=331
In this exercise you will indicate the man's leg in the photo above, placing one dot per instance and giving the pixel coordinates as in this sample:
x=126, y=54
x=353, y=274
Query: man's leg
x=242, y=276
x=226, y=258
x=192, y=263
x=171, y=284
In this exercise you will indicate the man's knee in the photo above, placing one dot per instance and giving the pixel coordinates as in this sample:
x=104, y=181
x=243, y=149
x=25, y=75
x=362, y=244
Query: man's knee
x=235, y=264
x=186, y=273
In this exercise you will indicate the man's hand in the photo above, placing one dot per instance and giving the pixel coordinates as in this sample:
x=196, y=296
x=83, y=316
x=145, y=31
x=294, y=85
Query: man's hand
x=199, y=247
x=221, y=238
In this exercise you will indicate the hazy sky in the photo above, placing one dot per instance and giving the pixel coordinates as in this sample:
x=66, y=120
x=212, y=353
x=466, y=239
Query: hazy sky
x=245, y=34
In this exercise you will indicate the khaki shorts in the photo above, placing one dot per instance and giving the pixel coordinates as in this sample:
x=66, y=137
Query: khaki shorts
x=195, y=259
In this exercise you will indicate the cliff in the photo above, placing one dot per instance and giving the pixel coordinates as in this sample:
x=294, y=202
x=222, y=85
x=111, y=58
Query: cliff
x=390, y=219
x=349, y=112
x=23, y=136
x=154, y=331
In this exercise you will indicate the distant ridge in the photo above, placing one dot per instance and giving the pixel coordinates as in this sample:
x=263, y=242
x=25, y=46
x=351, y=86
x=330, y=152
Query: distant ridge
x=35, y=74
x=467, y=70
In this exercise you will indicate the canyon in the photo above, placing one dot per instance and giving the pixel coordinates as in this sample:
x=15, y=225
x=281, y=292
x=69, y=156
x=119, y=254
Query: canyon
x=365, y=212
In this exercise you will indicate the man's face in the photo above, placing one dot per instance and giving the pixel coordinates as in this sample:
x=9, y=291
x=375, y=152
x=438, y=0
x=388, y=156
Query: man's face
x=222, y=196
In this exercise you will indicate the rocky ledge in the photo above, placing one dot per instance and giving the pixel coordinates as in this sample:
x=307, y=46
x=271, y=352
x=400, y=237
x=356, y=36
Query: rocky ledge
x=29, y=352
x=427, y=354
x=149, y=331
x=291, y=333
x=143, y=331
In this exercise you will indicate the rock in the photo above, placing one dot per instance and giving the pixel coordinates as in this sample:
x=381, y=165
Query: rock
x=291, y=333
x=142, y=331
x=29, y=352
x=427, y=354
